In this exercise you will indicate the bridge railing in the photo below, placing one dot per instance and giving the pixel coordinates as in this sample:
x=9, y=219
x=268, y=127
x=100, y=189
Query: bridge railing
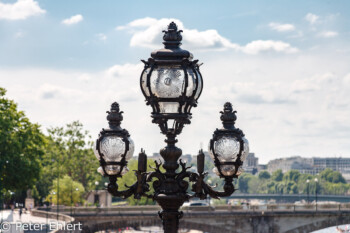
x=230, y=208
x=285, y=207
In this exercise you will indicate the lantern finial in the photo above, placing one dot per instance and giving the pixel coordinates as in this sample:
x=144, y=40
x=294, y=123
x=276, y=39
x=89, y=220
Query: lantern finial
x=172, y=37
x=114, y=116
x=228, y=116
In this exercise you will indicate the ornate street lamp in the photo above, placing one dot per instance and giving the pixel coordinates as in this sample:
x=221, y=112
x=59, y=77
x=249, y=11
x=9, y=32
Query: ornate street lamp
x=171, y=83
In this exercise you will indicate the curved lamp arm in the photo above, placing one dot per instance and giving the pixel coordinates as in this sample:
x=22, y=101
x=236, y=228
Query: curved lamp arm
x=202, y=189
x=139, y=188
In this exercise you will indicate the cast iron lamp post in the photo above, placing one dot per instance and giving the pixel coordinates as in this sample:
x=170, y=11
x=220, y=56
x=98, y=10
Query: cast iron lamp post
x=316, y=187
x=171, y=83
x=308, y=183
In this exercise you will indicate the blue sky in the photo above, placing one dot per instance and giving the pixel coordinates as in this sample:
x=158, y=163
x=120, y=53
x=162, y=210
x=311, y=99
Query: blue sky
x=283, y=65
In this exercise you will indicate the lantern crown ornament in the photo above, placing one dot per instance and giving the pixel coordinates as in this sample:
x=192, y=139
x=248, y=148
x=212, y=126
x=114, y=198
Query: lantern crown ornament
x=114, y=117
x=171, y=53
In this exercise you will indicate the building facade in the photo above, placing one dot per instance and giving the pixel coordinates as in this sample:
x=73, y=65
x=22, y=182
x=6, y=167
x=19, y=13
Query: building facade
x=251, y=163
x=311, y=166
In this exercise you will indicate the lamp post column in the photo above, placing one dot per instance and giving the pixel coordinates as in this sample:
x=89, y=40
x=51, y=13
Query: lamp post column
x=106, y=196
x=316, y=183
x=308, y=183
x=71, y=197
x=96, y=200
x=172, y=196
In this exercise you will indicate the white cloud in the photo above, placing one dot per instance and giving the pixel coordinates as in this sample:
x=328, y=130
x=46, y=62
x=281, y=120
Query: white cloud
x=19, y=34
x=144, y=22
x=312, y=18
x=101, y=36
x=73, y=20
x=21, y=9
x=282, y=27
x=258, y=46
x=302, y=102
x=328, y=34
x=347, y=80
x=124, y=70
x=147, y=32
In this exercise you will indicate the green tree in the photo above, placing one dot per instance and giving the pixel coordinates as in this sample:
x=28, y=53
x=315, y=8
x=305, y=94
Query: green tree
x=264, y=175
x=22, y=147
x=291, y=175
x=271, y=187
x=243, y=181
x=74, y=153
x=332, y=176
x=68, y=152
x=255, y=185
x=70, y=192
x=277, y=175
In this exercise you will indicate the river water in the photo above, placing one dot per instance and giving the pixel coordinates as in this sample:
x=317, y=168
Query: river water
x=332, y=229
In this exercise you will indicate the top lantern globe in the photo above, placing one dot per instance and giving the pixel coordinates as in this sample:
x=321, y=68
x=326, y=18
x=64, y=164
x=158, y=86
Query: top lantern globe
x=171, y=82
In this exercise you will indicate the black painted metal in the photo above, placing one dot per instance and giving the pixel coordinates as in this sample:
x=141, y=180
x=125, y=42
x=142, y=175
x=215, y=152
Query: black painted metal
x=172, y=57
x=114, y=119
x=170, y=187
x=228, y=118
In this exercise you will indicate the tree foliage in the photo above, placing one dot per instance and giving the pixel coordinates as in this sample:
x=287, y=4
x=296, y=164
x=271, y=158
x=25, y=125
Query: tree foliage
x=277, y=175
x=332, y=176
x=69, y=152
x=264, y=175
x=22, y=146
x=243, y=181
x=69, y=193
x=293, y=182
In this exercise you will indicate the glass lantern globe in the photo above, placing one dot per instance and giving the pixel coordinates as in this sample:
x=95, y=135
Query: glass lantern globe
x=171, y=82
x=228, y=148
x=114, y=147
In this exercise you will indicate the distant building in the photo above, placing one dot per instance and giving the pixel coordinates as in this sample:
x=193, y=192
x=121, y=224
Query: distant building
x=337, y=164
x=250, y=165
x=262, y=167
x=291, y=163
x=310, y=165
x=101, y=198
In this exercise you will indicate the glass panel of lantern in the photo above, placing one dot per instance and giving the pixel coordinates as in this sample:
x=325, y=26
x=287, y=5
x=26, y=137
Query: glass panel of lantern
x=227, y=149
x=112, y=149
x=168, y=84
